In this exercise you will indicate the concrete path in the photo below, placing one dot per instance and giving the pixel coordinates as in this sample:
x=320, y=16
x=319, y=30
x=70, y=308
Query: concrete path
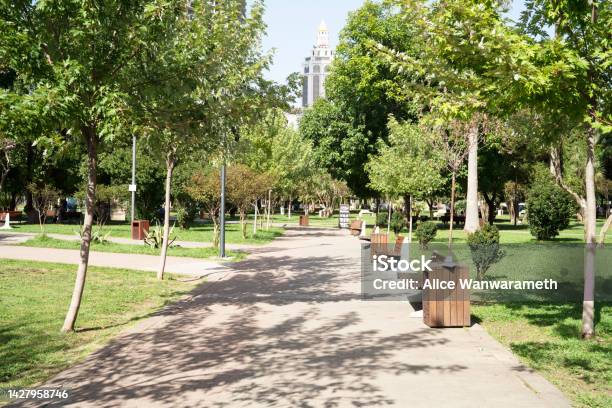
x=287, y=328
x=174, y=264
x=15, y=237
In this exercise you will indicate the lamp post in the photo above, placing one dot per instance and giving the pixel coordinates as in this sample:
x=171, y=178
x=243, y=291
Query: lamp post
x=133, y=185
x=222, y=213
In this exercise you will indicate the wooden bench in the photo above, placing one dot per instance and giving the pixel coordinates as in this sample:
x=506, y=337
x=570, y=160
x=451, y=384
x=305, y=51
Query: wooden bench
x=356, y=227
x=379, y=244
x=13, y=215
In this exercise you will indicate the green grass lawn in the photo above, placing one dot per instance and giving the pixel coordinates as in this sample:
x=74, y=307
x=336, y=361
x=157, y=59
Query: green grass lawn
x=209, y=252
x=197, y=233
x=546, y=337
x=34, y=301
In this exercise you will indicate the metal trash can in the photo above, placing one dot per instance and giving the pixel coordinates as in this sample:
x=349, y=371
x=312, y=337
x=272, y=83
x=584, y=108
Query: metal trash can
x=140, y=228
x=303, y=220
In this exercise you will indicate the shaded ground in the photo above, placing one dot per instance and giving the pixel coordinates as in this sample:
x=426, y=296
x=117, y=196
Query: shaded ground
x=287, y=328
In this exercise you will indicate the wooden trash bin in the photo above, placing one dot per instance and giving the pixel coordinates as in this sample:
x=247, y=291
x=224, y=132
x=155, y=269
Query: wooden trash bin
x=446, y=307
x=303, y=220
x=140, y=228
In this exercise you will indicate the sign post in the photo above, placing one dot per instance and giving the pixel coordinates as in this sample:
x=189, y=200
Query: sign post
x=343, y=220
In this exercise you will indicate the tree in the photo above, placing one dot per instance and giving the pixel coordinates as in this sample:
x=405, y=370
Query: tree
x=244, y=187
x=463, y=68
x=6, y=148
x=362, y=92
x=408, y=165
x=577, y=95
x=270, y=146
x=44, y=198
x=451, y=143
x=205, y=188
x=75, y=59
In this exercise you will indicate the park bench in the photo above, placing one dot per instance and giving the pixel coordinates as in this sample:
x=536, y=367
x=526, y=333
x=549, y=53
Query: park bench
x=457, y=219
x=13, y=215
x=363, y=212
x=355, y=227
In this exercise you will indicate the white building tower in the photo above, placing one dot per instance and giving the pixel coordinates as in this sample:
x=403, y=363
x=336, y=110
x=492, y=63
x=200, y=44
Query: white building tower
x=316, y=67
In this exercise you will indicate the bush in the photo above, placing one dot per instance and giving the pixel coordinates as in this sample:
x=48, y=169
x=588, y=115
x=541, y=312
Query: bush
x=381, y=219
x=484, y=246
x=397, y=221
x=185, y=216
x=426, y=232
x=549, y=209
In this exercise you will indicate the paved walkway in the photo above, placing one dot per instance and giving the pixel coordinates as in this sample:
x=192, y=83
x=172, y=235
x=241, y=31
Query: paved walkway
x=174, y=264
x=287, y=328
x=15, y=237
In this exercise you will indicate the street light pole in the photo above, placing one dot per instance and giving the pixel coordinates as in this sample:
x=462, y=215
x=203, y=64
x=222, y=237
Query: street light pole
x=222, y=212
x=133, y=186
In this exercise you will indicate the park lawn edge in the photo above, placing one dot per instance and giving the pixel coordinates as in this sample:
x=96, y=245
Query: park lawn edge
x=40, y=241
x=103, y=335
x=518, y=334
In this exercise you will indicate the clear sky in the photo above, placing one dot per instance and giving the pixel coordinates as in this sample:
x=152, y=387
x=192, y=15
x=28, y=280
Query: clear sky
x=292, y=27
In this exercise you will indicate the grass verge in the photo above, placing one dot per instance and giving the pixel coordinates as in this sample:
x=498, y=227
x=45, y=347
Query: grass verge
x=546, y=337
x=43, y=241
x=199, y=232
x=35, y=298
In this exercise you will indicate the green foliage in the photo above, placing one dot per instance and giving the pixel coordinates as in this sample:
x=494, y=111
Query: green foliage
x=549, y=209
x=426, y=232
x=485, y=249
x=338, y=146
x=155, y=237
x=408, y=165
x=185, y=216
x=381, y=219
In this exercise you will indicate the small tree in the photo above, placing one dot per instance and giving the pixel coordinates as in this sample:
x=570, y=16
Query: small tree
x=549, y=209
x=484, y=246
x=43, y=199
x=426, y=232
x=205, y=188
x=244, y=187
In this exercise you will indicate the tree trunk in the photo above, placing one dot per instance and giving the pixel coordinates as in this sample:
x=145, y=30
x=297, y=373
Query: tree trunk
x=407, y=208
x=388, y=216
x=471, y=210
x=588, y=304
x=492, y=208
x=604, y=231
x=410, y=220
x=170, y=163
x=243, y=226
x=452, y=208
x=289, y=208
x=430, y=204
x=91, y=140
x=255, y=220
x=269, y=208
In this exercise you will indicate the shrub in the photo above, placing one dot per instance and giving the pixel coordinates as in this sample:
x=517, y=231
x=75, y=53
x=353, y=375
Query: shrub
x=485, y=249
x=185, y=215
x=426, y=232
x=549, y=209
x=381, y=219
x=155, y=237
x=397, y=221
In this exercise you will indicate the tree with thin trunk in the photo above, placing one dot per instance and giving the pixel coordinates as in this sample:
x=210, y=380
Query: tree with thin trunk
x=244, y=187
x=76, y=59
x=453, y=146
x=578, y=94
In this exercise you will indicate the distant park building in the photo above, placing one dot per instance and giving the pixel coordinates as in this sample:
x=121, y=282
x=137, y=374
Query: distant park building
x=316, y=67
